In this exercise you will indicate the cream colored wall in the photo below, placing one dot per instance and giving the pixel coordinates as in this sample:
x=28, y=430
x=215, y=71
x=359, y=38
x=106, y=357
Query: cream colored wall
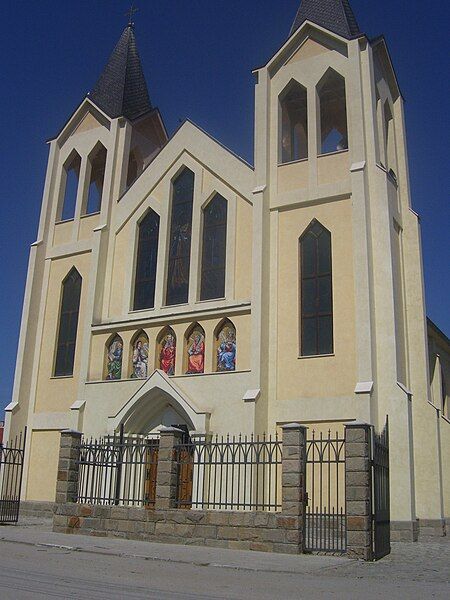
x=43, y=465
x=58, y=393
x=298, y=377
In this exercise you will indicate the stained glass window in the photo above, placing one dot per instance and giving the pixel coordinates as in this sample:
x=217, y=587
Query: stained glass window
x=180, y=238
x=147, y=255
x=71, y=178
x=68, y=324
x=114, y=358
x=139, y=358
x=98, y=164
x=214, y=248
x=316, y=291
x=226, y=347
x=195, y=347
x=294, y=123
x=333, y=113
x=167, y=351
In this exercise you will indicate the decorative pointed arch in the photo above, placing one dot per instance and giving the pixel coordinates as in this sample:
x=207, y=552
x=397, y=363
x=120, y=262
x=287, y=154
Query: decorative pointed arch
x=166, y=346
x=114, y=354
x=69, y=186
x=316, y=297
x=226, y=346
x=146, y=261
x=180, y=237
x=214, y=244
x=97, y=166
x=68, y=324
x=139, y=355
x=195, y=349
x=293, y=123
x=333, y=113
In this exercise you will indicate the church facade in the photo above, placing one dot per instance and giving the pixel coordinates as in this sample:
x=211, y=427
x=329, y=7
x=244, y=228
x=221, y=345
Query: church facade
x=173, y=283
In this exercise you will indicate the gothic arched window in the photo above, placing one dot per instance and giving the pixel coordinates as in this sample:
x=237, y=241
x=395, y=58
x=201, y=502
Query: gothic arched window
x=333, y=113
x=214, y=249
x=195, y=349
x=139, y=356
x=180, y=238
x=166, y=348
x=294, y=123
x=68, y=324
x=225, y=336
x=71, y=176
x=114, y=352
x=97, y=161
x=316, y=291
x=147, y=256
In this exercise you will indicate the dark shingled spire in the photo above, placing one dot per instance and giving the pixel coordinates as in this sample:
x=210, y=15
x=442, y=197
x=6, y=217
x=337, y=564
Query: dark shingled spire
x=334, y=15
x=121, y=89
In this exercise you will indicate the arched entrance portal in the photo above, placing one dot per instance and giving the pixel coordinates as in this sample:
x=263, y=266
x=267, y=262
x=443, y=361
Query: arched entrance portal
x=158, y=402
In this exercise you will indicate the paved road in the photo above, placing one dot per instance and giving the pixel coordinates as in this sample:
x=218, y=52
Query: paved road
x=32, y=567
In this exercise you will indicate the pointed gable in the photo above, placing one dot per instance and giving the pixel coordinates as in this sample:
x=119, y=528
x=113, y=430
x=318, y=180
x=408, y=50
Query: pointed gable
x=121, y=89
x=335, y=15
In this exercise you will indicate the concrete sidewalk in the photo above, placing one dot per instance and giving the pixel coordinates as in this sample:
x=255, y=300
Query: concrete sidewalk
x=38, y=532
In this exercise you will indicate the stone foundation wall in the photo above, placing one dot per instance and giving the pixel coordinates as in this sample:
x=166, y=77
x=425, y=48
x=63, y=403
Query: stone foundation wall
x=261, y=531
x=30, y=508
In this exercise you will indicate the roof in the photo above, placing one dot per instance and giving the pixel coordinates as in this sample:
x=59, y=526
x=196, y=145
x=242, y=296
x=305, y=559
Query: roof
x=334, y=15
x=438, y=331
x=121, y=89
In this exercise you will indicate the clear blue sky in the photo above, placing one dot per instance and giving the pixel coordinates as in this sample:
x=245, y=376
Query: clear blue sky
x=52, y=52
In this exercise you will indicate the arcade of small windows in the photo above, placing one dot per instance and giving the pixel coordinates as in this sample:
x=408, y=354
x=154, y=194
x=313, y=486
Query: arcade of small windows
x=332, y=111
x=166, y=354
x=213, y=248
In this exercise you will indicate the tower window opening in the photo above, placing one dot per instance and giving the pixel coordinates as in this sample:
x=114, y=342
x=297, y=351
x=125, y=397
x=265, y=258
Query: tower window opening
x=294, y=123
x=98, y=164
x=333, y=113
x=71, y=176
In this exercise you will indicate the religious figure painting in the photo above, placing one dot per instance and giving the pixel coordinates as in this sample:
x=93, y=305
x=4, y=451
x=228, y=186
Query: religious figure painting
x=114, y=365
x=226, y=351
x=140, y=358
x=167, y=353
x=196, y=351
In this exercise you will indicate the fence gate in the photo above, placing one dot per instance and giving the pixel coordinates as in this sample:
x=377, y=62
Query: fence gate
x=380, y=486
x=11, y=468
x=325, y=485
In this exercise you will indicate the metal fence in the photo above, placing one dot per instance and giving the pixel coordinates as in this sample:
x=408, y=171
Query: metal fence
x=11, y=469
x=118, y=469
x=234, y=473
x=325, y=484
x=381, y=502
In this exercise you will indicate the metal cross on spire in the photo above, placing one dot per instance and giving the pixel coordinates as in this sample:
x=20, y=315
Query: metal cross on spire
x=132, y=10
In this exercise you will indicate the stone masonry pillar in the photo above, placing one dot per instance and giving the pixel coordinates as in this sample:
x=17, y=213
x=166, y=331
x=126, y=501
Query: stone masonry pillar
x=294, y=477
x=68, y=468
x=167, y=473
x=358, y=490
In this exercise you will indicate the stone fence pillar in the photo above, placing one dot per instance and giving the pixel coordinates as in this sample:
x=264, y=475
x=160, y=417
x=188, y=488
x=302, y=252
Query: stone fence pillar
x=294, y=477
x=358, y=490
x=68, y=468
x=167, y=473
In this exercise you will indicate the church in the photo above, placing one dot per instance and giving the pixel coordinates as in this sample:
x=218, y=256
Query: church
x=173, y=283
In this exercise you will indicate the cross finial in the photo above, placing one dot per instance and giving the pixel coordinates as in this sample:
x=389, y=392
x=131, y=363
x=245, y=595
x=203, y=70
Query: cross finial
x=130, y=14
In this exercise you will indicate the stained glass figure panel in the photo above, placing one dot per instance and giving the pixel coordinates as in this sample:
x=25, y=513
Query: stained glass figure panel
x=114, y=359
x=226, y=347
x=196, y=351
x=139, y=358
x=167, y=352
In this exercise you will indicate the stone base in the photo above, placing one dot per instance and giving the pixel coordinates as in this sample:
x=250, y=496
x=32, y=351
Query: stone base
x=33, y=508
x=404, y=531
x=261, y=531
x=431, y=528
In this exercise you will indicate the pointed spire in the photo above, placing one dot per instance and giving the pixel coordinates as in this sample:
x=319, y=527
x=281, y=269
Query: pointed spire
x=121, y=89
x=334, y=15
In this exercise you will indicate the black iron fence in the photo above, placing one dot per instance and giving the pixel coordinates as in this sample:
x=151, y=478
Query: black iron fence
x=380, y=486
x=11, y=469
x=118, y=469
x=325, y=484
x=232, y=472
